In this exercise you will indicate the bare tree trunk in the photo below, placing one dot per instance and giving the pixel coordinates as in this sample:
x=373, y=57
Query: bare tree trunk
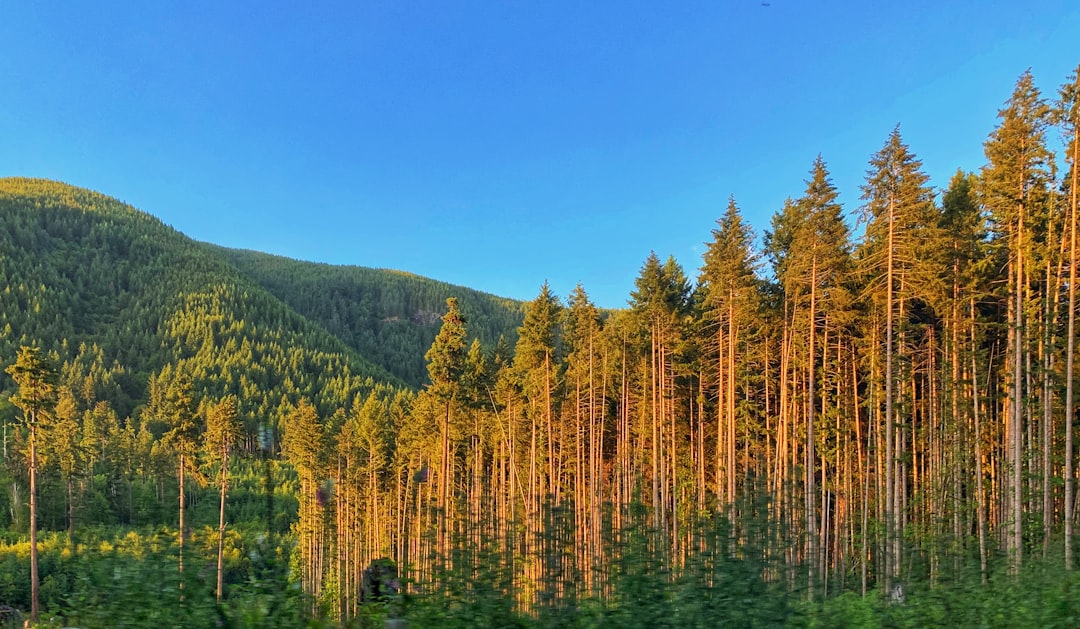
x=731, y=397
x=1070, y=353
x=810, y=459
x=1016, y=425
x=180, y=476
x=34, y=582
x=980, y=493
x=221, y=522
x=892, y=558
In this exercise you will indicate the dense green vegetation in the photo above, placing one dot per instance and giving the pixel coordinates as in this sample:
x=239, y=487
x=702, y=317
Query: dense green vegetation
x=820, y=431
x=118, y=295
x=389, y=317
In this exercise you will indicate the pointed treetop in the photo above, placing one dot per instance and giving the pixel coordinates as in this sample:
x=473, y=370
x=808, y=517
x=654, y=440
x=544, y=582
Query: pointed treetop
x=34, y=372
x=730, y=256
x=660, y=290
x=538, y=335
x=446, y=357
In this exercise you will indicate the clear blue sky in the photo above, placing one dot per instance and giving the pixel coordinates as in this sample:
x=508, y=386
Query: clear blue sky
x=501, y=144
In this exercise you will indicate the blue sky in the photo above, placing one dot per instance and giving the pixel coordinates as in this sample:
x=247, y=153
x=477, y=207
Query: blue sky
x=501, y=144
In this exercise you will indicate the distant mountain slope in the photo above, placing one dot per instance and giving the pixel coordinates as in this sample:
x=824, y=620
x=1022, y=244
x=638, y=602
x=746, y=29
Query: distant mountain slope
x=118, y=295
x=389, y=317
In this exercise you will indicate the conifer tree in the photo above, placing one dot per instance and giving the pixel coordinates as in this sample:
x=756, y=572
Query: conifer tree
x=899, y=212
x=36, y=378
x=584, y=405
x=968, y=271
x=302, y=444
x=1068, y=116
x=1015, y=190
x=536, y=363
x=660, y=304
x=815, y=274
x=445, y=365
x=222, y=434
x=61, y=447
x=728, y=287
x=178, y=410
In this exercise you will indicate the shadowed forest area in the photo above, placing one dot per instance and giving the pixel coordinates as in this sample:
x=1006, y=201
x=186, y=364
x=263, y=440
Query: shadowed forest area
x=863, y=422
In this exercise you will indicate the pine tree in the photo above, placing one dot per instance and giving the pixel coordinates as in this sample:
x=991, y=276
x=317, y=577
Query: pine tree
x=815, y=273
x=728, y=286
x=968, y=271
x=584, y=403
x=899, y=211
x=446, y=364
x=222, y=434
x=660, y=305
x=1015, y=190
x=178, y=410
x=36, y=378
x=61, y=447
x=1068, y=115
x=302, y=445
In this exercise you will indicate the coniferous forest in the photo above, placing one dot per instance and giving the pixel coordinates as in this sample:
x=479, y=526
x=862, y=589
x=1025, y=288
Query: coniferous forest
x=859, y=417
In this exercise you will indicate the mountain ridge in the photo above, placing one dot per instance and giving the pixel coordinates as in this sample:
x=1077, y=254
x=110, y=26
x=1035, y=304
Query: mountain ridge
x=117, y=294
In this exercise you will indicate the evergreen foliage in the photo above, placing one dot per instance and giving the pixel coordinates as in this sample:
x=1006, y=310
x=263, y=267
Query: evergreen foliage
x=868, y=433
x=388, y=317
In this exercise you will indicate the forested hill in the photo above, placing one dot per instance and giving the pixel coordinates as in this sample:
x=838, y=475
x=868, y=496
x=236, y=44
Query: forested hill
x=389, y=317
x=119, y=295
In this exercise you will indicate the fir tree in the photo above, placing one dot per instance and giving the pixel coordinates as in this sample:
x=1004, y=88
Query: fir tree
x=36, y=379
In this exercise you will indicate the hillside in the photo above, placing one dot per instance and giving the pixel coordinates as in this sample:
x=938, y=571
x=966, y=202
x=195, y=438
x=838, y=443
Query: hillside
x=389, y=317
x=117, y=294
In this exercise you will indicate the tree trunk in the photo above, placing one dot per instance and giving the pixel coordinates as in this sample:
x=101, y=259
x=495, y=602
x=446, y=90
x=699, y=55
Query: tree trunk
x=809, y=461
x=34, y=584
x=1070, y=352
x=180, y=477
x=221, y=523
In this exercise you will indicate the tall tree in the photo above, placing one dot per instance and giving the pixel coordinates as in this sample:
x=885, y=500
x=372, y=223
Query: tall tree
x=445, y=365
x=222, y=434
x=302, y=446
x=1068, y=115
x=660, y=304
x=178, y=410
x=728, y=286
x=969, y=270
x=899, y=210
x=816, y=270
x=536, y=366
x=62, y=447
x=1015, y=190
x=584, y=403
x=36, y=377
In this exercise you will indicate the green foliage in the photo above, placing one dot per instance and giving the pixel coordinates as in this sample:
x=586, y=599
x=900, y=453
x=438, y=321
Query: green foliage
x=36, y=379
x=472, y=588
x=117, y=295
x=131, y=580
x=167, y=347
x=446, y=357
x=388, y=317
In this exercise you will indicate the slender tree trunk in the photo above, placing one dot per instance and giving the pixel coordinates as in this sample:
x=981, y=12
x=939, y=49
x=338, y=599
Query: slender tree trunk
x=444, y=482
x=722, y=499
x=1070, y=352
x=180, y=477
x=1016, y=426
x=221, y=522
x=810, y=459
x=70, y=508
x=892, y=558
x=980, y=492
x=731, y=397
x=34, y=582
